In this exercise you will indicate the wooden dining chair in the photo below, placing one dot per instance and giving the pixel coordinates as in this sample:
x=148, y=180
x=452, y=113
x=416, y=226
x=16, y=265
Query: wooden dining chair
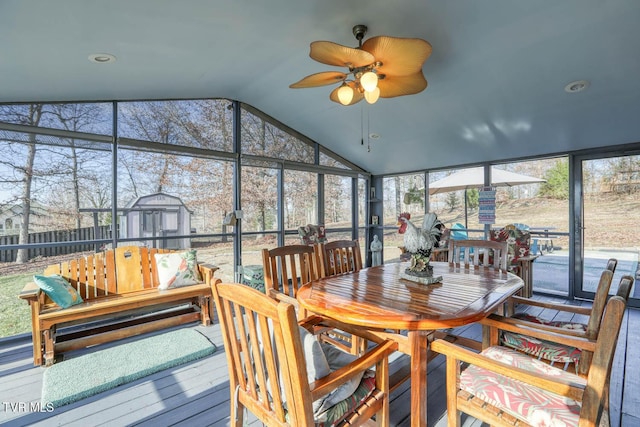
x=287, y=268
x=338, y=257
x=554, y=342
x=279, y=372
x=504, y=387
x=558, y=352
x=478, y=253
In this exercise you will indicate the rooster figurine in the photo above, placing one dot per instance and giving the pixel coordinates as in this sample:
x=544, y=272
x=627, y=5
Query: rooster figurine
x=420, y=241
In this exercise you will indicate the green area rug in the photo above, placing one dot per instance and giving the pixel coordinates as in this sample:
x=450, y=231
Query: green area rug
x=84, y=376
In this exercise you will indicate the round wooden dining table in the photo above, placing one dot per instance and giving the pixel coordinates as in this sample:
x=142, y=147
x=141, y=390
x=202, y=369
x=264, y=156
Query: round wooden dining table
x=377, y=298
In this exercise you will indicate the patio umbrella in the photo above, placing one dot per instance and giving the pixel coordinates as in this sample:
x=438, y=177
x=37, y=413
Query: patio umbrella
x=474, y=177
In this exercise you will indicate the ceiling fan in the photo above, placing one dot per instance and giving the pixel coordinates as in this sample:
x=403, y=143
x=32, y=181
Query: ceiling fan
x=382, y=66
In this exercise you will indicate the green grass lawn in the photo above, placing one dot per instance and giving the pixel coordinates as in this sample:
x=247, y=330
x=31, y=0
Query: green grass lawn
x=15, y=316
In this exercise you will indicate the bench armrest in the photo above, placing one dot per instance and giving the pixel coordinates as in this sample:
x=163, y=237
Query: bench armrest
x=31, y=291
x=207, y=271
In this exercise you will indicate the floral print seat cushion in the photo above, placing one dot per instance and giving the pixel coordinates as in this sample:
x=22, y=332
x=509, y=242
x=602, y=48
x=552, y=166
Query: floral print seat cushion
x=523, y=401
x=547, y=350
x=342, y=409
x=322, y=359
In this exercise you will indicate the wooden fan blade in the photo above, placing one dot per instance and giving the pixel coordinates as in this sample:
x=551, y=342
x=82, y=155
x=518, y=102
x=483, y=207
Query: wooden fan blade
x=392, y=86
x=343, y=56
x=399, y=56
x=319, y=79
x=357, y=95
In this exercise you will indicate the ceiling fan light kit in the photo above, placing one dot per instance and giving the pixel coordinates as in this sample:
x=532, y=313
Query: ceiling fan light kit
x=381, y=67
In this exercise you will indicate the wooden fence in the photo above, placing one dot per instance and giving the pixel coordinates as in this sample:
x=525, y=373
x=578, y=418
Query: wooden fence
x=81, y=234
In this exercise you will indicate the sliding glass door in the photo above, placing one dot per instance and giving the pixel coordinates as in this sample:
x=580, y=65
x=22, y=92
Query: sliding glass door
x=607, y=220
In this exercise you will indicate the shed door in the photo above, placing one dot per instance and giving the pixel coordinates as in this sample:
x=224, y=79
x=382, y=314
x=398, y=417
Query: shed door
x=170, y=227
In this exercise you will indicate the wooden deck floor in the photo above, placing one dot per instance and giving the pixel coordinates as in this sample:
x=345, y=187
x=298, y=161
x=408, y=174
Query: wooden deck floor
x=197, y=394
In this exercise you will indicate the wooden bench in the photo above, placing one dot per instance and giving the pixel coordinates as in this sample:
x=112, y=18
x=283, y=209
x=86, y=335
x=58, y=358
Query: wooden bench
x=121, y=299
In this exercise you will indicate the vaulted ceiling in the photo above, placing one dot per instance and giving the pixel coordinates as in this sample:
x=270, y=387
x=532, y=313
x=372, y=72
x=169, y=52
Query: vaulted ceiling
x=496, y=75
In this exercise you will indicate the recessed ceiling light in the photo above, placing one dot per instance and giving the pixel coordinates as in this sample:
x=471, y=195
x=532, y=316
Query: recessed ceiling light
x=577, y=86
x=102, y=58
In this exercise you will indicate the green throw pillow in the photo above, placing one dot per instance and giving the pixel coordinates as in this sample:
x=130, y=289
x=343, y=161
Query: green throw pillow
x=58, y=289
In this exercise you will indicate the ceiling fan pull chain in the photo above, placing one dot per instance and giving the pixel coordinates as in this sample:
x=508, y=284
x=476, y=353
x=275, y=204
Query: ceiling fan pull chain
x=361, y=125
x=368, y=133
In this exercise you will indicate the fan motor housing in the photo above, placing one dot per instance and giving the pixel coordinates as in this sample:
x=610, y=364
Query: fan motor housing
x=359, y=32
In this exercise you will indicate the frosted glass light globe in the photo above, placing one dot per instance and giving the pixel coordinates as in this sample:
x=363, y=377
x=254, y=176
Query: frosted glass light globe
x=345, y=94
x=372, y=96
x=369, y=81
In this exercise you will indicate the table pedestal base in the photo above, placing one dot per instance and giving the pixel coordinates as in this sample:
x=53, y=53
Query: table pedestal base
x=419, y=342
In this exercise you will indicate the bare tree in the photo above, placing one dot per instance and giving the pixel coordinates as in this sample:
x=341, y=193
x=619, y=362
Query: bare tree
x=203, y=184
x=22, y=174
x=624, y=174
x=259, y=196
x=337, y=195
x=76, y=118
x=152, y=121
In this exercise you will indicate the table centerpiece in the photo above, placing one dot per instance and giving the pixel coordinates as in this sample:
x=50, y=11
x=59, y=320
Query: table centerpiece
x=420, y=242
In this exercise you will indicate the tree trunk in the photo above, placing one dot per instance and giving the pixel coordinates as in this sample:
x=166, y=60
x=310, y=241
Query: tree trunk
x=27, y=178
x=23, y=254
x=76, y=186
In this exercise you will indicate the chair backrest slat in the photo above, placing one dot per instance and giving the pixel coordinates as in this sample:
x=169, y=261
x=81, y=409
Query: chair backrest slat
x=599, y=302
x=338, y=257
x=478, y=253
x=287, y=268
x=594, y=326
x=602, y=361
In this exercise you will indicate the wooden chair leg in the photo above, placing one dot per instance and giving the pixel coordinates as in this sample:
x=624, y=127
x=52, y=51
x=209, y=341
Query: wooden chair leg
x=605, y=420
x=452, y=373
x=36, y=337
x=237, y=415
x=382, y=382
x=205, y=316
x=49, y=347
